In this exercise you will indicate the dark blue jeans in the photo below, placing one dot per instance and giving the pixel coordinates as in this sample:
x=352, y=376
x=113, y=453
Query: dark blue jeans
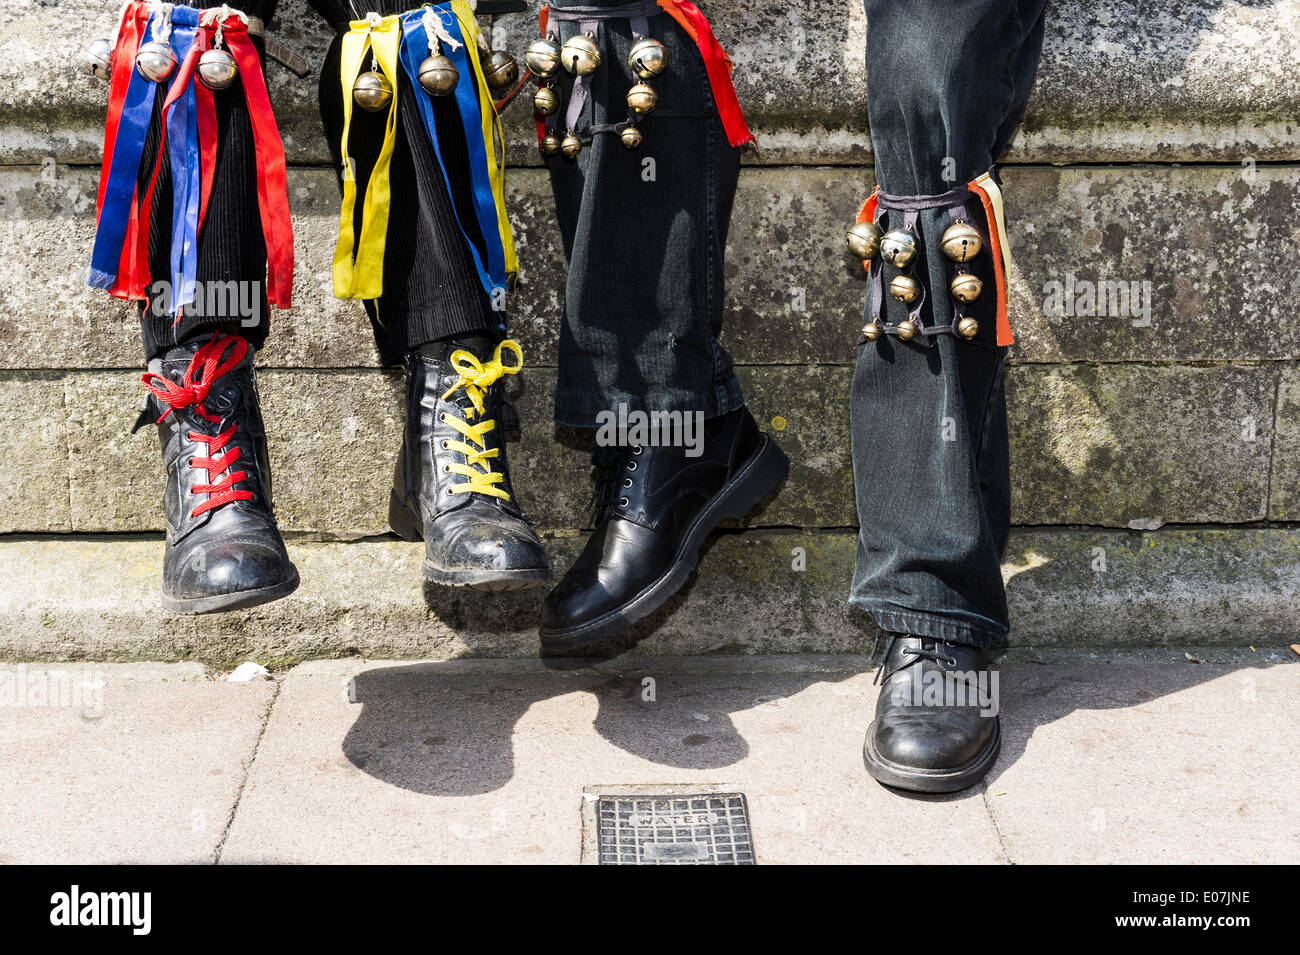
x=948, y=81
x=644, y=232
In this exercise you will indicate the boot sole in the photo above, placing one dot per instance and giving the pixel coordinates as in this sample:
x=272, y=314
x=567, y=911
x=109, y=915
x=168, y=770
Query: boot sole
x=910, y=778
x=408, y=527
x=239, y=600
x=758, y=477
x=494, y=580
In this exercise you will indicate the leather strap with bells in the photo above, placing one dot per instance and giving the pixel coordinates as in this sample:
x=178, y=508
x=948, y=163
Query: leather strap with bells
x=958, y=203
x=716, y=62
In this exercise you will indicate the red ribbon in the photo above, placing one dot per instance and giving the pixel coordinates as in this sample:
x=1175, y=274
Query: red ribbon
x=718, y=66
x=272, y=190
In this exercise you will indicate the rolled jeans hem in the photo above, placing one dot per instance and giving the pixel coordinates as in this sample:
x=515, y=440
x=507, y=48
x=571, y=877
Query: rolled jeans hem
x=932, y=625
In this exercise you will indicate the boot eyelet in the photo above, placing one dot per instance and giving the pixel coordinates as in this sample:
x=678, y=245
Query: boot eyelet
x=446, y=468
x=622, y=502
x=631, y=465
x=637, y=449
x=627, y=482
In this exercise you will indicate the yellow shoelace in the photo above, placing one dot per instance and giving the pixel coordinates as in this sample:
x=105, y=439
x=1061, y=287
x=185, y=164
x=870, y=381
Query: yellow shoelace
x=476, y=377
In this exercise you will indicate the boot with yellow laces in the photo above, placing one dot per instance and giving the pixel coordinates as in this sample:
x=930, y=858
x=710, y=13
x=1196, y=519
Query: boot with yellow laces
x=452, y=485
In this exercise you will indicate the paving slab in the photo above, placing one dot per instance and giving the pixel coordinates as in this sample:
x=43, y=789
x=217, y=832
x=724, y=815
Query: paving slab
x=1148, y=763
x=486, y=761
x=127, y=763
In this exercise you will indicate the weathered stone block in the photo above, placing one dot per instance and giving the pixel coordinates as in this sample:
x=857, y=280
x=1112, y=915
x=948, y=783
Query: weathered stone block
x=1199, y=81
x=1186, y=240
x=33, y=454
x=1140, y=445
x=1105, y=445
x=1284, y=488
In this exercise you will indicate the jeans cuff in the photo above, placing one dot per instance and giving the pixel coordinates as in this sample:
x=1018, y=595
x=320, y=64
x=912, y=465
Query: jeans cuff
x=935, y=626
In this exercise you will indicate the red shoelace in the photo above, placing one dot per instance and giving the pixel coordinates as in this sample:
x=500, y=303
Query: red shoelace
x=205, y=368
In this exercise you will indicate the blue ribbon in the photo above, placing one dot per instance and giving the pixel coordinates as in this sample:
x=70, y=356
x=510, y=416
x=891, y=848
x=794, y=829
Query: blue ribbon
x=123, y=170
x=414, y=48
x=183, y=147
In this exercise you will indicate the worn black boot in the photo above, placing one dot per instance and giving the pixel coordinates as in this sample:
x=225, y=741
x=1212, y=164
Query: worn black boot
x=452, y=484
x=656, y=506
x=224, y=550
x=936, y=728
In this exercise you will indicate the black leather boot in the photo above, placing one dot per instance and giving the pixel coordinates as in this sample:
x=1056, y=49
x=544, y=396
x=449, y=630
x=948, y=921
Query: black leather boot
x=656, y=506
x=224, y=550
x=936, y=728
x=452, y=484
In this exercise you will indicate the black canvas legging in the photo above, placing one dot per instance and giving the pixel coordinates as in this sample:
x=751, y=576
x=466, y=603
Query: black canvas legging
x=439, y=298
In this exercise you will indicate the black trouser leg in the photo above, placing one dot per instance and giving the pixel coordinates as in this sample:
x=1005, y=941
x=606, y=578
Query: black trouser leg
x=949, y=83
x=644, y=232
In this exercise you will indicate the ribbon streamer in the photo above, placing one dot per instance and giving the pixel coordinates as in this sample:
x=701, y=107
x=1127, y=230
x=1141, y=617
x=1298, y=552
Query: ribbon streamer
x=188, y=136
x=405, y=39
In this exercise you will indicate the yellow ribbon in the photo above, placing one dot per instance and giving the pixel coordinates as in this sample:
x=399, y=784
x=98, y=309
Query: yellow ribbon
x=359, y=265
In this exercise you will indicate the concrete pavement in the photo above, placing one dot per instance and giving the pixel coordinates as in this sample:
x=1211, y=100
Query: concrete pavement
x=1135, y=757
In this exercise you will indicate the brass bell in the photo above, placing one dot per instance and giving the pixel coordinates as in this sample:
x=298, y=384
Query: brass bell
x=647, y=58
x=99, y=56
x=898, y=247
x=571, y=145
x=872, y=331
x=961, y=242
x=542, y=57
x=550, y=144
x=156, y=61
x=438, y=74
x=967, y=327
x=501, y=70
x=372, y=91
x=545, y=101
x=631, y=136
x=864, y=240
x=965, y=287
x=217, y=69
x=641, y=98
x=907, y=330
x=580, y=55
x=905, y=288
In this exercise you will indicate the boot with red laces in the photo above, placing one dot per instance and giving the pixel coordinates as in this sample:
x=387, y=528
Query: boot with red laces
x=224, y=550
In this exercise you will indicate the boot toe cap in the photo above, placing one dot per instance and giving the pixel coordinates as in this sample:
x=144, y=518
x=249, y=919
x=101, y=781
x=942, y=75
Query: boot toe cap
x=503, y=544
x=232, y=566
x=934, y=739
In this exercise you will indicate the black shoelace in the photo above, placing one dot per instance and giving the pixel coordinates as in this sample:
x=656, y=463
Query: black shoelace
x=916, y=654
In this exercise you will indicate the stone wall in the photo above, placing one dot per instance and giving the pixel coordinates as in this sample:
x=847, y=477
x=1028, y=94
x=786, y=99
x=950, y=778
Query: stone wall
x=1154, y=452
